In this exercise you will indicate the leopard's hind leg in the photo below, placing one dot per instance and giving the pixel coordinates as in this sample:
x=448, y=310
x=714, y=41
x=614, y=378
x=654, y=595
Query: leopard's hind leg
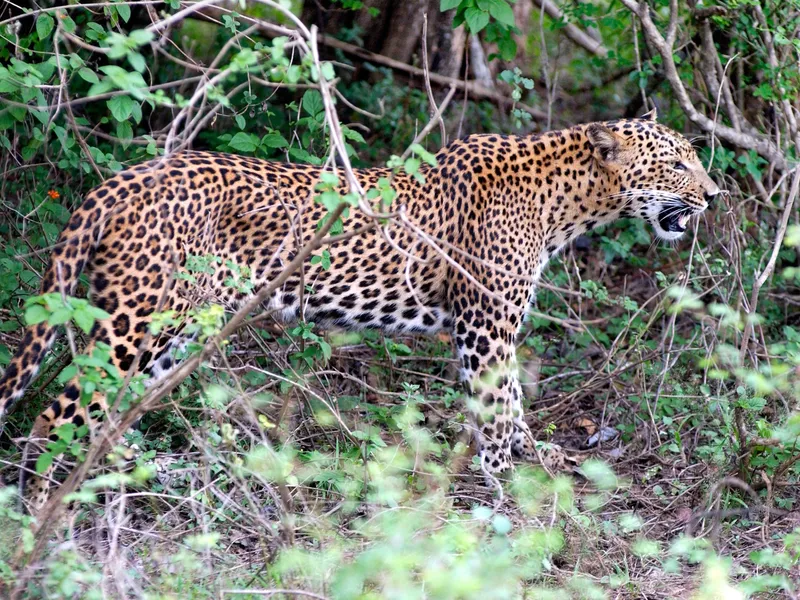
x=125, y=332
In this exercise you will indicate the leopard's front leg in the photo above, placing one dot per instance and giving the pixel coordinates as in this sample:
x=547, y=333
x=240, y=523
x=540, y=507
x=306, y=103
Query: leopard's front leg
x=487, y=354
x=488, y=366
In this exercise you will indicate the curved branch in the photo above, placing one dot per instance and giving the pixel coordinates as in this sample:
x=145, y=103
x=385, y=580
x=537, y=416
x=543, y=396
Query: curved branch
x=573, y=32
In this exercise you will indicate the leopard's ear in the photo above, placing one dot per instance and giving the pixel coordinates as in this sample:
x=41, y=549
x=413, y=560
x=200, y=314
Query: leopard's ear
x=650, y=115
x=606, y=143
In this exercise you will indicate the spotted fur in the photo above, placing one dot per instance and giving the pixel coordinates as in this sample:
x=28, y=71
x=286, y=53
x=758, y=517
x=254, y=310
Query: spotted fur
x=498, y=206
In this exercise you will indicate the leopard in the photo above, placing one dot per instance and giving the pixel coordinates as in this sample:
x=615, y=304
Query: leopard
x=478, y=227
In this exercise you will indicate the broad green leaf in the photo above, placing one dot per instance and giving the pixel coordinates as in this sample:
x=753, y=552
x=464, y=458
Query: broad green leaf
x=137, y=61
x=500, y=10
x=88, y=75
x=244, y=142
x=428, y=157
x=508, y=48
x=124, y=11
x=476, y=19
x=312, y=102
x=7, y=85
x=60, y=316
x=98, y=313
x=125, y=133
x=448, y=4
x=326, y=349
x=44, y=25
x=301, y=155
x=67, y=23
x=327, y=71
x=84, y=320
x=75, y=61
x=5, y=355
x=43, y=462
x=36, y=314
x=274, y=140
x=136, y=112
x=140, y=37
x=131, y=81
x=352, y=134
x=120, y=107
x=68, y=373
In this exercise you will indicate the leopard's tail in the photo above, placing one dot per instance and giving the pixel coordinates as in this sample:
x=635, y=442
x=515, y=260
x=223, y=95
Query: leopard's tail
x=74, y=250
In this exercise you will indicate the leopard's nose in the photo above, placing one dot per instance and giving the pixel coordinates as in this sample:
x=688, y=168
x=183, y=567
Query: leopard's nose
x=709, y=196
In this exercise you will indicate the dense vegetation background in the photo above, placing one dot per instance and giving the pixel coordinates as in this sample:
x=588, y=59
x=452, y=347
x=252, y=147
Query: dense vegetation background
x=298, y=463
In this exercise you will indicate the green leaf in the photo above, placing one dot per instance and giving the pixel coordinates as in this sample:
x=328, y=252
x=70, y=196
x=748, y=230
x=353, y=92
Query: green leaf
x=60, y=316
x=84, y=319
x=6, y=83
x=129, y=81
x=68, y=373
x=67, y=23
x=500, y=10
x=124, y=11
x=43, y=462
x=36, y=314
x=44, y=25
x=302, y=155
x=98, y=313
x=5, y=355
x=428, y=157
x=411, y=165
x=448, y=4
x=65, y=432
x=502, y=524
x=326, y=349
x=88, y=75
x=312, y=102
x=141, y=36
x=120, y=107
x=327, y=71
x=476, y=19
x=137, y=61
x=75, y=61
x=125, y=133
x=508, y=48
x=244, y=142
x=600, y=474
x=352, y=134
x=274, y=140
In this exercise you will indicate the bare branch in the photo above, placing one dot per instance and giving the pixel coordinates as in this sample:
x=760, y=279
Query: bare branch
x=572, y=31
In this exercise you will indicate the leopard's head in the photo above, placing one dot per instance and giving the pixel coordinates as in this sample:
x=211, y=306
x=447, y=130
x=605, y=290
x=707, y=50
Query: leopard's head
x=654, y=173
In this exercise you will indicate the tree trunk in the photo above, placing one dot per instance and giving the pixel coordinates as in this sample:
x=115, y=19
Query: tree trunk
x=445, y=44
x=478, y=64
x=395, y=30
x=405, y=31
x=374, y=27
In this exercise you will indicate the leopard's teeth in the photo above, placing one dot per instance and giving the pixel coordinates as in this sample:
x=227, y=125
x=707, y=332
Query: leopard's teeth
x=683, y=221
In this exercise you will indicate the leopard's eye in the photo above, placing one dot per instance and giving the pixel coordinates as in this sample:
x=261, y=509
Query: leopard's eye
x=679, y=166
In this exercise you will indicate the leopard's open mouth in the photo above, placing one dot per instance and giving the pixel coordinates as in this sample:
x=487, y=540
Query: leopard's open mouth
x=674, y=219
